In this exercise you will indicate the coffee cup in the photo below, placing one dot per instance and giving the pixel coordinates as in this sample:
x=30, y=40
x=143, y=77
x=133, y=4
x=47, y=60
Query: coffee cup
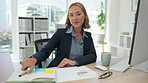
x=105, y=58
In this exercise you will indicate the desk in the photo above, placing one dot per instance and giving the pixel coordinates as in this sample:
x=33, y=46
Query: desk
x=129, y=76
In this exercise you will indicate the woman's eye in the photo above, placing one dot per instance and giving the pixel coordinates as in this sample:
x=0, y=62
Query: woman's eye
x=71, y=15
x=78, y=14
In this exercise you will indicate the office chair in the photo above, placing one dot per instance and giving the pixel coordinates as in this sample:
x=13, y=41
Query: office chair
x=39, y=44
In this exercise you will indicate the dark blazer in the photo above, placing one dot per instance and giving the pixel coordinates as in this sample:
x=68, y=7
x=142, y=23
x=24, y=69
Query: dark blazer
x=62, y=41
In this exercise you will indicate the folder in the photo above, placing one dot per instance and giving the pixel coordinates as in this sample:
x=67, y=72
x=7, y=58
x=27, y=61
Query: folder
x=27, y=39
x=32, y=39
x=22, y=40
x=22, y=55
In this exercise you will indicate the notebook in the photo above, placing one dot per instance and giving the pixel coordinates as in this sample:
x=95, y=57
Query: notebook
x=54, y=74
x=38, y=75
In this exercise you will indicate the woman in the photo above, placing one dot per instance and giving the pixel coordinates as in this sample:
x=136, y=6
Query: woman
x=74, y=45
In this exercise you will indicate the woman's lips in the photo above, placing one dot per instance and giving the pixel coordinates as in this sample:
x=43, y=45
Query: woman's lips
x=75, y=22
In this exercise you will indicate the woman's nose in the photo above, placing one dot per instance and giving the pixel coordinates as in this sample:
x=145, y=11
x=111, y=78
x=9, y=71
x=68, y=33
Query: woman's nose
x=75, y=17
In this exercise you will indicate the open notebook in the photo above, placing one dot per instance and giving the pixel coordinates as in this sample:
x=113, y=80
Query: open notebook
x=38, y=75
x=55, y=75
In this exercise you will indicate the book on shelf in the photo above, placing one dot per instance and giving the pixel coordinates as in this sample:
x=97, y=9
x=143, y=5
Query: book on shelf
x=41, y=25
x=31, y=39
x=22, y=54
x=38, y=75
x=25, y=24
x=22, y=40
x=28, y=42
x=37, y=36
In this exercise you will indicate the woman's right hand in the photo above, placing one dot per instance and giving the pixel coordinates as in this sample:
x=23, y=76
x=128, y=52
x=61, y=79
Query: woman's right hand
x=28, y=63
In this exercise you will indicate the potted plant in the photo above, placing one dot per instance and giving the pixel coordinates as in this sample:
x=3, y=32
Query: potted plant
x=101, y=20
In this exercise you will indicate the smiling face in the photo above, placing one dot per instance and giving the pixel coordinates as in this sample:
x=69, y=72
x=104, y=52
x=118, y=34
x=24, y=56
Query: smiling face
x=76, y=16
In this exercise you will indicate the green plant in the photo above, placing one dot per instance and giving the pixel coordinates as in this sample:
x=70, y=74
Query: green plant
x=101, y=18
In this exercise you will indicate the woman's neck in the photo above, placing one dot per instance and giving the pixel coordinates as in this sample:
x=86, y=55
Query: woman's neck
x=78, y=31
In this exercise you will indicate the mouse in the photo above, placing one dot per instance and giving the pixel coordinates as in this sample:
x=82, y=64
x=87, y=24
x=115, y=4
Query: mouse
x=101, y=67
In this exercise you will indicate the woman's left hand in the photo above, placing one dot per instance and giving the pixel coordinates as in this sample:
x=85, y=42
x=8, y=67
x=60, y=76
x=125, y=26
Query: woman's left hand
x=66, y=63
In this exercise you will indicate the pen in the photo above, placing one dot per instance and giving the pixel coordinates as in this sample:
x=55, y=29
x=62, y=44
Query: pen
x=81, y=72
x=22, y=74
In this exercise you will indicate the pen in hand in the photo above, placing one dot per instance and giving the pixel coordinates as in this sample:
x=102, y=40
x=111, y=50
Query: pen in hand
x=22, y=74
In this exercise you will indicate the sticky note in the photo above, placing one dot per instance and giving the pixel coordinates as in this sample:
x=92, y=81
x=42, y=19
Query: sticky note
x=49, y=71
x=40, y=70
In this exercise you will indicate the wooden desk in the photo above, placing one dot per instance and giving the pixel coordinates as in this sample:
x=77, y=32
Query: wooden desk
x=129, y=76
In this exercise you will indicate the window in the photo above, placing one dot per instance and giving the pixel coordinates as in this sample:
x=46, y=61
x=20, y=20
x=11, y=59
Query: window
x=5, y=29
x=56, y=11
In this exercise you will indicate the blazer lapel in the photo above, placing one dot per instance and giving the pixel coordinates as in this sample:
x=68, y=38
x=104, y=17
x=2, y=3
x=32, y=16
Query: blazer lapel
x=85, y=46
x=68, y=40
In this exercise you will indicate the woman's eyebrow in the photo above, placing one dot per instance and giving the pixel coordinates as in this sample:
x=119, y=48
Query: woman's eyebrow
x=76, y=12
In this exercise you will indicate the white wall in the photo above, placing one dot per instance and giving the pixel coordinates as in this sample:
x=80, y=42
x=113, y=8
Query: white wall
x=14, y=29
x=119, y=18
x=125, y=16
x=112, y=20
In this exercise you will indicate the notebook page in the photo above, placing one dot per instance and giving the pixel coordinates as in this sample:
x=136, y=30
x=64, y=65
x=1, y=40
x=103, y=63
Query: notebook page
x=74, y=73
x=15, y=77
x=39, y=73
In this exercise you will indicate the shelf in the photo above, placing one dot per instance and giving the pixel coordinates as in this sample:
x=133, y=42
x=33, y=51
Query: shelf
x=124, y=45
x=120, y=47
x=31, y=29
x=26, y=46
x=26, y=32
x=125, y=35
x=41, y=31
x=124, y=41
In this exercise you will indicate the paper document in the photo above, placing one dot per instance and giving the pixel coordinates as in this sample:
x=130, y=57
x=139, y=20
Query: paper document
x=74, y=73
x=143, y=67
